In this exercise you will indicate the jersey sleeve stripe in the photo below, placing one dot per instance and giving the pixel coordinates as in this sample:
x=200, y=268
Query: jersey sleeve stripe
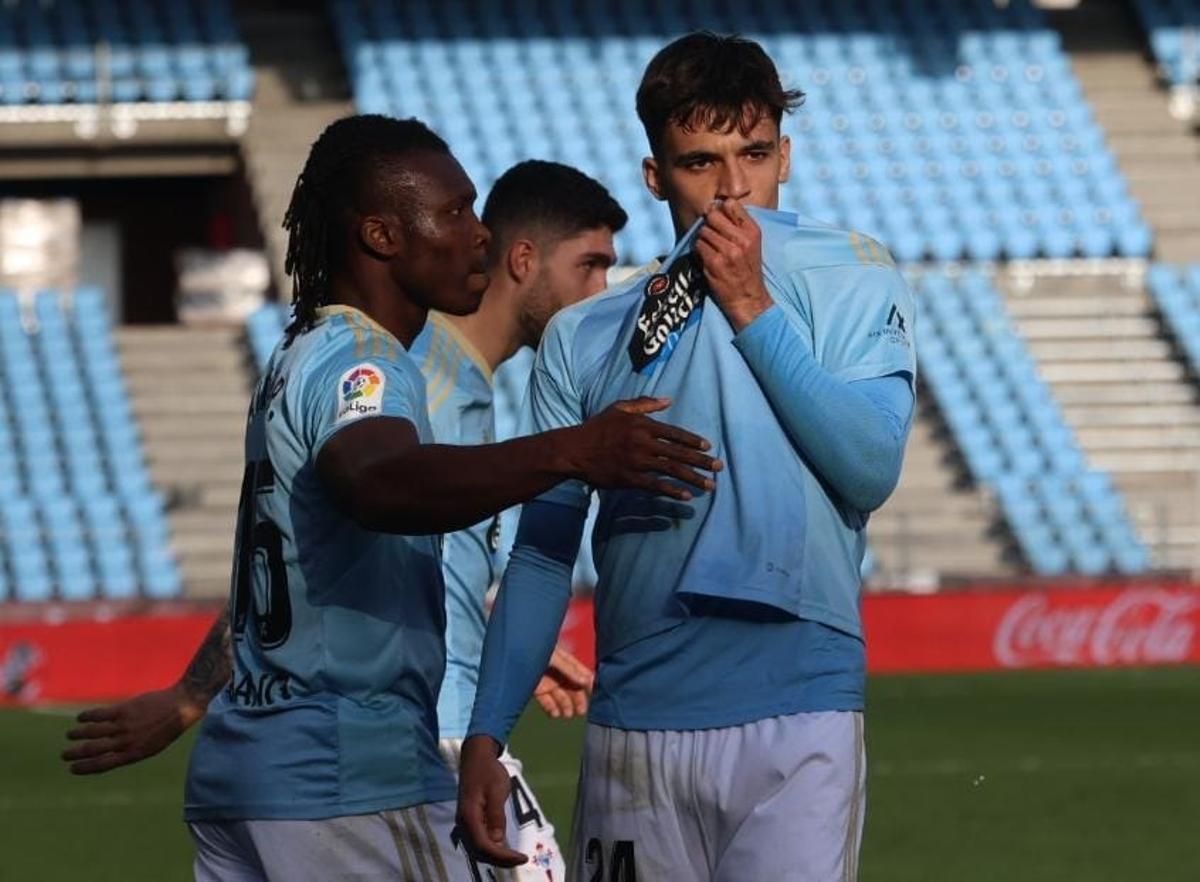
x=857, y=243
x=436, y=366
x=432, y=353
x=436, y=402
x=360, y=343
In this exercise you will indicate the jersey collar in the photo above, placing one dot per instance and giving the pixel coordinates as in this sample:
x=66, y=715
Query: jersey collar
x=358, y=317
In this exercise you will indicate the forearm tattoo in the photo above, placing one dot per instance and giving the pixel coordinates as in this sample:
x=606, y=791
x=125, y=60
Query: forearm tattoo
x=212, y=665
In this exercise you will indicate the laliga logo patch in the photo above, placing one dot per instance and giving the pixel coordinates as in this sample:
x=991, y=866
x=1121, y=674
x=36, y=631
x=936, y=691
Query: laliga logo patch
x=360, y=392
x=670, y=302
x=361, y=383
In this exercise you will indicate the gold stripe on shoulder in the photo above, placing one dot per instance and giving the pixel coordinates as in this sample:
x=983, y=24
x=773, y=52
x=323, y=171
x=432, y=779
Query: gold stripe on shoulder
x=459, y=339
x=427, y=365
x=880, y=253
x=437, y=365
x=869, y=251
x=437, y=401
x=859, y=249
x=351, y=320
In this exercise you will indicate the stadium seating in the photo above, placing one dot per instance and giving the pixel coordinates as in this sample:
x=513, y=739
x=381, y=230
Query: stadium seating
x=78, y=516
x=1176, y=290
x=947, y=130
x=70, y=51
x=1173, y=31
x=1064, y=516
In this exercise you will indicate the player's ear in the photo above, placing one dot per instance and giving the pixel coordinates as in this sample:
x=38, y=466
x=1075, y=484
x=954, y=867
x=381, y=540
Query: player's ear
x=380, y=235
x=785, y=158
x=521, y=260
x=651, y=175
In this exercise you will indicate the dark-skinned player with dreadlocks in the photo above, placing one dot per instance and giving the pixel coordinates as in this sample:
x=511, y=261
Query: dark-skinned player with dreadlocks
x=552, y=243
x=321, y=759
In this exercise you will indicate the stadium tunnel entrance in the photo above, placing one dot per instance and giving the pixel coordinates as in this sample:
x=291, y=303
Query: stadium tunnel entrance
x=133, y=227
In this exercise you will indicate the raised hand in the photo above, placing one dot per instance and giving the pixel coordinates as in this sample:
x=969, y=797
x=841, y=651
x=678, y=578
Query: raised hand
x=623, y=447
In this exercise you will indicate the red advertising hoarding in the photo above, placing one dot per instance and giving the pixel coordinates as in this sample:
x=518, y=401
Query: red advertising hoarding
x=1138, y=624
x=93, y=659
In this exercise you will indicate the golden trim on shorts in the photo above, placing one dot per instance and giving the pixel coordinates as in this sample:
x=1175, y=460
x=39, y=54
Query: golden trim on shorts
x=406, y=866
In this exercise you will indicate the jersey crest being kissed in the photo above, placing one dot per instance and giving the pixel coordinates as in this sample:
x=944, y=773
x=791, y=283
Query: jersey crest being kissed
x=671, y=300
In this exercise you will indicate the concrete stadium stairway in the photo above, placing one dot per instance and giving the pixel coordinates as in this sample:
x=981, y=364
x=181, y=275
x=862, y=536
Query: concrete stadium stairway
x=934, y=530
x=1128, y=396
x=189, y=392
x=1158, y=154
x=301, y=88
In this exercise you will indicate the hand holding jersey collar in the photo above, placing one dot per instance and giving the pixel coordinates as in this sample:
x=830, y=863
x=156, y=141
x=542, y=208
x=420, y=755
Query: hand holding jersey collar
x=730, y=245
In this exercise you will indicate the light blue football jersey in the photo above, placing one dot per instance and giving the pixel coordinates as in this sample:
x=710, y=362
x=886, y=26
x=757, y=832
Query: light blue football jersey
x=338, y=631
x=743, y=603
x=458, y=387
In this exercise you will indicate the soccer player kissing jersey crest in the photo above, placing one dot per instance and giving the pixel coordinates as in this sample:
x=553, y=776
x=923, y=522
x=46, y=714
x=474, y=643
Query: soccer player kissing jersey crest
x=725, y=733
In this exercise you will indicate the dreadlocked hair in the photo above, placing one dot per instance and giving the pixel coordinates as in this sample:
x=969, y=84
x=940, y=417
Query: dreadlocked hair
x=339, y=175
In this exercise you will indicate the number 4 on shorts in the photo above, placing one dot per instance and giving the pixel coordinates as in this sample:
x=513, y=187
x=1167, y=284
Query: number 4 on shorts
x=524, y=808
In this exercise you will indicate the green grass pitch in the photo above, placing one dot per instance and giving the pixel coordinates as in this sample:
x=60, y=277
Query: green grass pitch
x=1063, y=776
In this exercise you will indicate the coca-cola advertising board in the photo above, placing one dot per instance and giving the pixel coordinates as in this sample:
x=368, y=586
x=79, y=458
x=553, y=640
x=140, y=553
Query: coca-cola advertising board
x=1137, y=624
x=1149, y=623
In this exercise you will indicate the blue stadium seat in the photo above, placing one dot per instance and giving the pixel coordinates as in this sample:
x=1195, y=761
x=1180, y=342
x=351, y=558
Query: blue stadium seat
x=1176, y=291
x=1006, y=128
x=158, y=50
x=62, y=530
x=1171, y=29
x=1063, y=517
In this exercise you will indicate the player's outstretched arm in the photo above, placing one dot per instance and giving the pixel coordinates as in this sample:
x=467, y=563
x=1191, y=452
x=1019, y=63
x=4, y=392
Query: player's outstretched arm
x=379, y=473
x=133, y=730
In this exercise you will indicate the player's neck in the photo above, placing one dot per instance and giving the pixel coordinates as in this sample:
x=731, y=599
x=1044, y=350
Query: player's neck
x=493, y=329
x=400, y=316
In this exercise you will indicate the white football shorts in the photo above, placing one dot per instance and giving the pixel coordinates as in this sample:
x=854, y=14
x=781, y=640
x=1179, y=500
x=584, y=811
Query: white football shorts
x=528, y=830
x=774, y=800
x=405, y=845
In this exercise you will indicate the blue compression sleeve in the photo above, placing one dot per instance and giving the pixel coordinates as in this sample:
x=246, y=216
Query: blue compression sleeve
x=852, y=433
x=527, y=615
